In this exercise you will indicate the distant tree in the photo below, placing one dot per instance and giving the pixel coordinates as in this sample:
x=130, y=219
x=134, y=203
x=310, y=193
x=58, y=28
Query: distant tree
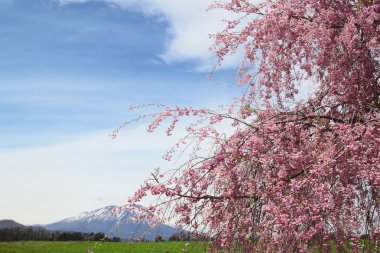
x=90, y=236
x=99, y=236
x=158, y=238
x=41, y=234
x=181, y=236
x=116, y=239
x=175, y=237
x=141, y=239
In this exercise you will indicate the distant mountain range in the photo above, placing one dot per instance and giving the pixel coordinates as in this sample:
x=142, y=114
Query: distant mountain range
x=113, y=221
x=10, y=224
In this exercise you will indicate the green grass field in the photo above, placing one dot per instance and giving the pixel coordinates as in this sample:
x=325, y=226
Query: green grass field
x=124, y=247
x=103, y=247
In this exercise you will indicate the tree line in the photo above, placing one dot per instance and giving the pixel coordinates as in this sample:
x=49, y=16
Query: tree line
x=41, y=234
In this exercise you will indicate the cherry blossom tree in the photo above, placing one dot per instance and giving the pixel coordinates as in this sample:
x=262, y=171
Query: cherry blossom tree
x=299, y=171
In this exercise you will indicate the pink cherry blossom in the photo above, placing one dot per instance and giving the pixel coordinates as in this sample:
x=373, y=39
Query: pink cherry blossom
x=295, y=174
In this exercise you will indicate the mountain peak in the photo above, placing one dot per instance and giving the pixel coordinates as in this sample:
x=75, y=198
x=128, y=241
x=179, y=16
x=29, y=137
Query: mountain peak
x=10, y=224
x=113, y=221
x=107, y=213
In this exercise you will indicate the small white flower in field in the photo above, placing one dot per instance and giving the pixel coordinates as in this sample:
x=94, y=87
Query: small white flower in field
x=90, y=251
x=185, y=250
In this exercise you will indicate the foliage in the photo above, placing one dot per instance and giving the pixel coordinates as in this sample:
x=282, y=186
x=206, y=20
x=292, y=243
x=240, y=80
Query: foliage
x=41, y=234
x=181, y=236
x=298, y=171
x=159, y=238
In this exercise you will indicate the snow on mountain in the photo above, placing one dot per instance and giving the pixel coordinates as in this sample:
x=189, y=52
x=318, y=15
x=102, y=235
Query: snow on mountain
x=113, y=221
x=102, y=214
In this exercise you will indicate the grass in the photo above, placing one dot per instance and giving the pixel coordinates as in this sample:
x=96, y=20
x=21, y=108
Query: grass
x=368, y=246
x=103, y=247
x=124, y=247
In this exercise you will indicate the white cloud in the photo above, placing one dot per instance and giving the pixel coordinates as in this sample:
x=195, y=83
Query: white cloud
x=190, y=26
x=45, y=184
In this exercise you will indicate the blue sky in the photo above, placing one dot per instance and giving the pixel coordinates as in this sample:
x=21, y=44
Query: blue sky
x=69, y=70
x=77, y=67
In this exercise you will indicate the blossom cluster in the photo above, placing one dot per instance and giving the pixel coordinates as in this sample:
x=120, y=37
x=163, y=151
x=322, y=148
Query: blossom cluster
x=294, y=175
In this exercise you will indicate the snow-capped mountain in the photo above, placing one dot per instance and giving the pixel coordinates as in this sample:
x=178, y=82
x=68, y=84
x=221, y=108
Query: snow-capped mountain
x=113, y=221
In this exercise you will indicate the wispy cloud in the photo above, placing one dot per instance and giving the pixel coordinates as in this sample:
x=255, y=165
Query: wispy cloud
x=56, y=180
x=189, y=28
